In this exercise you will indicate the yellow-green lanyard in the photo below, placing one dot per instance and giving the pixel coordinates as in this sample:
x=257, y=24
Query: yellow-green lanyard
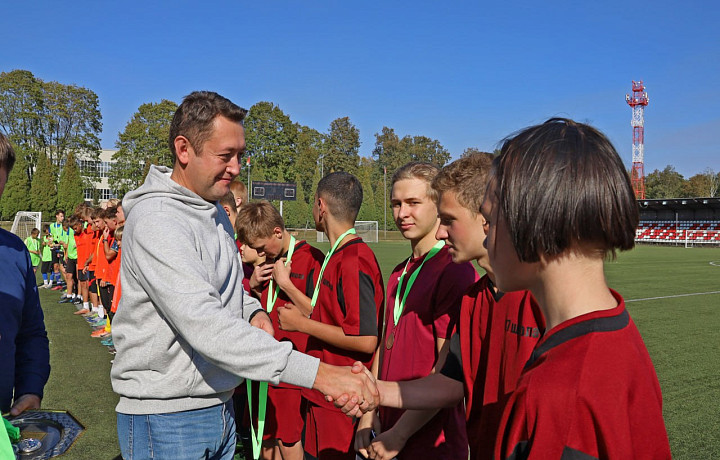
x=325, y=262
x=273, y=293
x=256, y=438
x=400, y=304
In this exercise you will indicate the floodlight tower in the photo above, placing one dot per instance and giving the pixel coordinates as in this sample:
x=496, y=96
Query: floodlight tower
x=638, y=101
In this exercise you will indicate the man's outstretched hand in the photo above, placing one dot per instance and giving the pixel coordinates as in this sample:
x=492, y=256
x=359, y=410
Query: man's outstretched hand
x=25, y=402
x=355, y=387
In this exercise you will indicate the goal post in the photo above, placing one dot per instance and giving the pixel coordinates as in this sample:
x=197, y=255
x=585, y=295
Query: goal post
x=365, y=229
x=25, y=221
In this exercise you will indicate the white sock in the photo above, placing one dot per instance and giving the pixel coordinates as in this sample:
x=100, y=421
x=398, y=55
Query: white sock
x=101, y=311
x=86, y=305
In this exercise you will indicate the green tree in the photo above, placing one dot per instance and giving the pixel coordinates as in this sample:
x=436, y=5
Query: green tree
x=703, y=185
x=473, y=151
x=422, y=148
x=43, y=190
x=270, y=138
x=343, y=145
x=70, y=185
x=49, y=118
x=392, y=152
x=368, y=209
x=667, y=183
x=310, y=148
x=296, y=213
x=17, y=189
x=144, y=142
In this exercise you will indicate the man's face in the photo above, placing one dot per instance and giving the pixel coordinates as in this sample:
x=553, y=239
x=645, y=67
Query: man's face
x=3, y=179
x=210, y=169
x=120, y=217
x=270, y=247
x=462, y=230
x=414, y=211
x=59, y=217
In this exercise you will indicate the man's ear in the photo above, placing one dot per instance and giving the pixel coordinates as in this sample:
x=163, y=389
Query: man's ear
x=227, y=209
x=183, y=150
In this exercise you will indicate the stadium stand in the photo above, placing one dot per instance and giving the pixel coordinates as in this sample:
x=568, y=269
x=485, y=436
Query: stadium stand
x=679, y=221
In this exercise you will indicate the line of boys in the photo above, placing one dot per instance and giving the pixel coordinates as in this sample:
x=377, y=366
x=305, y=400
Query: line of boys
x=492, y=342
x=87, y=251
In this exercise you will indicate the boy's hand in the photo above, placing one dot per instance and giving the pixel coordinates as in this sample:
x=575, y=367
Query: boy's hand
x=261, y=275
x=364, y=434
x=281, y=273
x=387, y=445
x=290, y=317
x=334, y=381
x=106, y=232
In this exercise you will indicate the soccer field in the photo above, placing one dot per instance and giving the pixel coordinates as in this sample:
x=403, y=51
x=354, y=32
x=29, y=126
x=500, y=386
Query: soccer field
x=673, y=295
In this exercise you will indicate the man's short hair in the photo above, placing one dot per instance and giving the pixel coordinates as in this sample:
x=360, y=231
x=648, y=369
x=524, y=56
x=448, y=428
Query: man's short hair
x=239, y=190
x=467, y=178
x=195, y=116
x=562, y=183
x=343, y=194
x=257, y=220
x=59, y=211
x=418, y=170
x=7, y=154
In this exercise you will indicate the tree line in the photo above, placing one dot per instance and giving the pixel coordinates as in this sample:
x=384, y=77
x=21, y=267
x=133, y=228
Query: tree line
x=54, y=125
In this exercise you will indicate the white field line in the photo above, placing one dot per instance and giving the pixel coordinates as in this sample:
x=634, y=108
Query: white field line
x=715, y=263
x=672, y=296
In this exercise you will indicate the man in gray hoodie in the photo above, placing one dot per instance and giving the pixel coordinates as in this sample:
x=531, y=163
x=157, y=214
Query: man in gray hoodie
x=184, y=327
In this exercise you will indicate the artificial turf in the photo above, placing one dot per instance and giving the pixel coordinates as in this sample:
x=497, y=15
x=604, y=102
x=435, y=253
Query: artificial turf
x=681, y=333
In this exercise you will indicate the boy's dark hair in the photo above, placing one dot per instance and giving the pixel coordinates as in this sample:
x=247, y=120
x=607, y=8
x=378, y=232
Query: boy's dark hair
x=35, y=231
x=227, y=200
x=562, y=183
x=46, y=228
x=110, y=212
x=418, y=170
x=195, y=116
x=257, y=220
x=59, y=211
x=7, y=154
x=73, y=220
x=467, y=178
x=343, y=193
x=97, y=213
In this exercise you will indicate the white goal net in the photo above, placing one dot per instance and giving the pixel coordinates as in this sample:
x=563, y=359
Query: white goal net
x=366, y=229
x=25, y=221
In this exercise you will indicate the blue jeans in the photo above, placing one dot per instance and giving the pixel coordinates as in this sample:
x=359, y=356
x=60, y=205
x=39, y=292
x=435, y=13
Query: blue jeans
x=191, y=435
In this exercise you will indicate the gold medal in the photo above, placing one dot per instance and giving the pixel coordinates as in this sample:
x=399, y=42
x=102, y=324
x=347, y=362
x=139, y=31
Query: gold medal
x=390, y=340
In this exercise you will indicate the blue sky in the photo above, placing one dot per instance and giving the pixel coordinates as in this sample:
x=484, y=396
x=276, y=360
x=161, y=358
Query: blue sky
x=465, y=73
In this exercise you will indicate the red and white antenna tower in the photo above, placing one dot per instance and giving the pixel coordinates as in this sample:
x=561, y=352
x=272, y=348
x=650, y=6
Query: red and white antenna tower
x=638, y=101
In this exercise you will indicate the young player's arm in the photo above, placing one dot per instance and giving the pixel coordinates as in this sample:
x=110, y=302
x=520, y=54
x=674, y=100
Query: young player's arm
x=109, y=253
x=88, y=262
x=292, y=319
x=370, y=420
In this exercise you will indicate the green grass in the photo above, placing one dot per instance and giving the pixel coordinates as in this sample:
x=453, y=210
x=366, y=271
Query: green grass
x=681, y=334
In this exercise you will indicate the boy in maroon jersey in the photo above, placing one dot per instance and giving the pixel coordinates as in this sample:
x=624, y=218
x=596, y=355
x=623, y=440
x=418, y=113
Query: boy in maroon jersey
x=293, y=266
x=422, y=308
x=488, y=349
x=347, y=299
x=558, y=202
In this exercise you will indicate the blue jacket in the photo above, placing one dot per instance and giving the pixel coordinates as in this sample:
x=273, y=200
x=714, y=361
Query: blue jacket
x=24, y=349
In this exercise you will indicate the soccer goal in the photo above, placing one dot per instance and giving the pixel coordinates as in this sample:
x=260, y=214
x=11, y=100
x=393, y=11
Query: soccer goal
x=25, y=221
x=366, y=229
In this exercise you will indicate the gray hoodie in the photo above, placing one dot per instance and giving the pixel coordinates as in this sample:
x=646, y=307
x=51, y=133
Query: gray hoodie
x=181, y=331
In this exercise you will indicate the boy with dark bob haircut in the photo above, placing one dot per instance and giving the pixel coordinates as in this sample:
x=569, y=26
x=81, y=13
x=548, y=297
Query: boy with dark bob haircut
x=347, y=304
x=288, y=276
x=559, y=201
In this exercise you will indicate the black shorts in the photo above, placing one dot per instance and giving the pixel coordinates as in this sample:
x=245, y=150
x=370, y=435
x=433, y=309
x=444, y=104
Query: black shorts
x=82, y=276
x=46, y=266
x=70, y=268
x=93, y=282
x=57, y=256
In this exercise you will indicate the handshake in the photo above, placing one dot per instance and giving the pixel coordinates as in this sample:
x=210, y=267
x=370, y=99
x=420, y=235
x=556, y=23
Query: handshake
x=352, y=389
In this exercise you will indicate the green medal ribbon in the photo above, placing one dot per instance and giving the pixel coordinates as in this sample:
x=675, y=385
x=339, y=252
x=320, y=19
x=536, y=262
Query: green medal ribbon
x=325, y=262
x=256, y=438
x=400, y=304
x=273, y=293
